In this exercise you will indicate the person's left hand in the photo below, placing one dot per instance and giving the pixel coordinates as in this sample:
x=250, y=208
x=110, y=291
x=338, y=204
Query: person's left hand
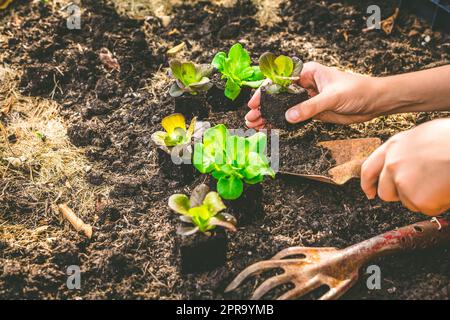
x=412, y=167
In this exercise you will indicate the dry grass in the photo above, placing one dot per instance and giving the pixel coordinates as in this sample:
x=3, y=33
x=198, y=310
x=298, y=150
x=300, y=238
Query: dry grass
x=267, y=15
x=39, y=167
x=268, y=12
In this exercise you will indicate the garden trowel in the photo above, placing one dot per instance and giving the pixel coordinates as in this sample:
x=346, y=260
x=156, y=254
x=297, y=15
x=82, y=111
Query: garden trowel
x=349, y=156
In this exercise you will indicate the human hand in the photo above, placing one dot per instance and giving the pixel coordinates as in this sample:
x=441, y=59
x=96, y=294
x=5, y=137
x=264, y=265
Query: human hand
x=337, y=97
x=412, y=167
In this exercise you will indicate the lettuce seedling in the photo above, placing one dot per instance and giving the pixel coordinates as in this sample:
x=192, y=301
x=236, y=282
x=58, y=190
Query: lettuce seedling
x=202, y=210
x=237, y=69
x=189, y=78
x=281, y=71
x=232, y=160
x=175, y=131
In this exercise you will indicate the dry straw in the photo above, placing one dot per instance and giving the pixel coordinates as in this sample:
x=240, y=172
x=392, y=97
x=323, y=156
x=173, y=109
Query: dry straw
x=267, y=15
x=39, y=168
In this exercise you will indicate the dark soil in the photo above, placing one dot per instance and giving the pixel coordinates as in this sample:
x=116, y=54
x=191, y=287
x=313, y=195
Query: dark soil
x=113, y=113
x=219, y=102
x=184, y=173
x=274, y=107
x=199, y=253
x=300, y=154
x=248, y=208
x=192, y=106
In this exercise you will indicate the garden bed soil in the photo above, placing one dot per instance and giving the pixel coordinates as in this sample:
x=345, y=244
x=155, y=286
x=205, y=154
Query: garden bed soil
x=132, y=252
x=300, y=154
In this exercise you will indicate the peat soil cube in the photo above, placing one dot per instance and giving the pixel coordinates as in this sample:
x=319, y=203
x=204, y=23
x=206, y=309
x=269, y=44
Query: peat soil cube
x=274, y=107
x=199, y=252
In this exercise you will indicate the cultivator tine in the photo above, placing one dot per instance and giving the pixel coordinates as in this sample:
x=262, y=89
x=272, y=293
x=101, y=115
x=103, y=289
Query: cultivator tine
x=336, y=292
x=255, y=269
x=270, y=284
x=300, y=251
x=301, y=290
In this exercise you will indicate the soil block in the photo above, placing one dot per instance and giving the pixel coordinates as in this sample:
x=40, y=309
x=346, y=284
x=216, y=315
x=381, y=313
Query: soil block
x=192, y=106
x=274, y=107
x=183, y=173
x=220, y=103
x=248, y=207
x=199, y=252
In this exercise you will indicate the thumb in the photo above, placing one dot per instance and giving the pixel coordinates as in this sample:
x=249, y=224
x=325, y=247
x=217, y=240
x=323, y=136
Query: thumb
x=309, y=108
x=371, y=170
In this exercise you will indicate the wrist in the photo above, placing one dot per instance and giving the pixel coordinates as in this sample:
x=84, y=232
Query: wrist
x=390, y=95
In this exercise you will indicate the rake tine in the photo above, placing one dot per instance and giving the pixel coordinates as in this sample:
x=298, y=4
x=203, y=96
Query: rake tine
x=254, y=269
x=299, y=250
x=290, y=252
x=269, y=284
x=337, y=292
x=301, y=289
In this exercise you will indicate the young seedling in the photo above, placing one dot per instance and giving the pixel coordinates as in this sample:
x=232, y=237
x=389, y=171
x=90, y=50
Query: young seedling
x=191, y=84
x=175, y=131
x=189, y=78
x=281, y=90
x=202, y=246
x=236, y=68
x=175, y=143
x=232, y=90
x=232, y=160
x=202, y=210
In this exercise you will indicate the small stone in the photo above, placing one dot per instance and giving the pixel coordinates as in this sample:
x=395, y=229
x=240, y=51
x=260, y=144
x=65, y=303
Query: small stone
x=392, y=290
x=165, y=21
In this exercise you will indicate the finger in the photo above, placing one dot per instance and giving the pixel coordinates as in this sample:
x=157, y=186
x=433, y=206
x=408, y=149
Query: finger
x=371, y=170
x=253, y=115
x=406, y=202
x=310, y=108
x=387, y=189
x=255, y=100
x=435, y=212
x=333, y=117
x=256, y=124
x=307, y=76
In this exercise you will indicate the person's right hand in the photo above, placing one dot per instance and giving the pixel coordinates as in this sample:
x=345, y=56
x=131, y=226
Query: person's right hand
x=337, y=97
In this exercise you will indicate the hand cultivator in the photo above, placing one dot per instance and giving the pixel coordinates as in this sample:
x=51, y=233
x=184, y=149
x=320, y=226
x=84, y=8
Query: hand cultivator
x=338, y=268
x=349, y=156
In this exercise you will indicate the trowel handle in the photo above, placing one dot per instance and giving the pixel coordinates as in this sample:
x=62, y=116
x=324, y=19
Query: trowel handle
x=419, y=235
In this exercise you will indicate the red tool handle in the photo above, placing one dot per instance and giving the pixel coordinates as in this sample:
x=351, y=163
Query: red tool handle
x=419, y=235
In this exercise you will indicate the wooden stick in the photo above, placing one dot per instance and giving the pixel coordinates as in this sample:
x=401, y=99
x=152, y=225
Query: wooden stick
x=76, y=222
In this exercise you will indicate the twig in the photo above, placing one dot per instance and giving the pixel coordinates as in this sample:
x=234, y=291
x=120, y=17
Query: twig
x=76, y=222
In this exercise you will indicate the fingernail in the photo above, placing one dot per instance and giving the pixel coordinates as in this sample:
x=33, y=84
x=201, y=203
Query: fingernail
x=292, y=114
